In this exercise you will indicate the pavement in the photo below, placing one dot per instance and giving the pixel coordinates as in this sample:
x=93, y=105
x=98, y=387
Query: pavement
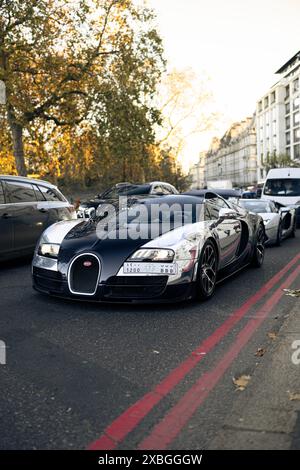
x=84, y=375
x=266, y=414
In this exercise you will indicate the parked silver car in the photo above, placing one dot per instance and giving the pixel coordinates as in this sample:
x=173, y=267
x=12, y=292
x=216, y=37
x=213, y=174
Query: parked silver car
x=279, y=220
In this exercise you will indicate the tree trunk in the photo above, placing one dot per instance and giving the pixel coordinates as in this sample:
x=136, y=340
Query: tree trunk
x=18, y=148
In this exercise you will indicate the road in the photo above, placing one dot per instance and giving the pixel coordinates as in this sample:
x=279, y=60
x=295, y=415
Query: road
x=82, y=375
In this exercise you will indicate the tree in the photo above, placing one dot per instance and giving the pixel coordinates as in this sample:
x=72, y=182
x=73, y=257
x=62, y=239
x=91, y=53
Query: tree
x=281, y=160
x=61, y=62
x=185, y=104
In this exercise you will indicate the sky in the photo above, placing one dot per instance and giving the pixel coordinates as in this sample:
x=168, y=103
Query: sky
x=238, y=44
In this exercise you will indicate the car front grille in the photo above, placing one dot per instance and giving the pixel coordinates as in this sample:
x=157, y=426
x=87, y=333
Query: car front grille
x=84, y=274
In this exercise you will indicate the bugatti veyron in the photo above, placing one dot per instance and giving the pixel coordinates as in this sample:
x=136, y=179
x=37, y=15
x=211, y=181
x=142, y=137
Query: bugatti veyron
x=154, y=249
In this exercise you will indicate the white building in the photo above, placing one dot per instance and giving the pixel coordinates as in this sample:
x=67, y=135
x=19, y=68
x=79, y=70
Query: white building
x=197, y=173
x=278, y=117
x=233, y=157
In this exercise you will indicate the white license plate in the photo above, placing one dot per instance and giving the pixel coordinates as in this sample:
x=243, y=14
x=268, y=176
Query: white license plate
x=150, y=268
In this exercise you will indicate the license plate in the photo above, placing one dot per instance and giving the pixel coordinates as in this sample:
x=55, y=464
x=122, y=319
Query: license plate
x=150, y=268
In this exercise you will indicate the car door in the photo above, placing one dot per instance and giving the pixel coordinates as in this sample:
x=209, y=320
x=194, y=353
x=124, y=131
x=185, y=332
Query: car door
x=28, y=219
x=228, y=230
x=6, y=226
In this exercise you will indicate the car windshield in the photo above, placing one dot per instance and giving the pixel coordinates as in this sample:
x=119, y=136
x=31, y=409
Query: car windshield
x=256, y=206
x=282, y=187
x=168, y=214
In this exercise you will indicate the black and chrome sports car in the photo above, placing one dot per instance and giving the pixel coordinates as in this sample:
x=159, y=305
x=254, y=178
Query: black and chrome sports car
x=159, y=249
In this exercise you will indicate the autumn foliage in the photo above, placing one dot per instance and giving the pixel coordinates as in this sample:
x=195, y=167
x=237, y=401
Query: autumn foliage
x=80, y=79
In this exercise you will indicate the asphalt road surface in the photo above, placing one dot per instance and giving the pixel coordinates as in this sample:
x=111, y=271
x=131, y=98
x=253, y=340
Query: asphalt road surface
x=82, y=375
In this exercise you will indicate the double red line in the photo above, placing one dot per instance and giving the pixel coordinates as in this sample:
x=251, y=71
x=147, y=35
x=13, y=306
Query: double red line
x=170, y=426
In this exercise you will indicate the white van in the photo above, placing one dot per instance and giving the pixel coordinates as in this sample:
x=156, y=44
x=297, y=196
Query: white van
x=283, y=185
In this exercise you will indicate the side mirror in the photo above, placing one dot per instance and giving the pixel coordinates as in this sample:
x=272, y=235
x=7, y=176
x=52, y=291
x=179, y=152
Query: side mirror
x=227, y=213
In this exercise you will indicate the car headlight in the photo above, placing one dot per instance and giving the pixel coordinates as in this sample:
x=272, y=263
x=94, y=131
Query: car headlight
x=50, y=250
x=153, y=254
x=266, y=221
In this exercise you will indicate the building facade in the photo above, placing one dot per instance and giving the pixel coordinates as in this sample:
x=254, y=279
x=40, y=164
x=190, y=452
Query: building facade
x=233, y=157
x=278, y=117
x=197, y=173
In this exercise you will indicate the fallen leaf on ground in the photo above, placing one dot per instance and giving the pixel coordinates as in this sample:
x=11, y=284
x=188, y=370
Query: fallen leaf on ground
x=260, y=352
x=294, y=396
x=292, y=292
x=241, y=382
x=272, y=335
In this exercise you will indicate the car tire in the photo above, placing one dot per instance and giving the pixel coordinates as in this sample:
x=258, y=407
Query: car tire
x=279, y=235
x=207, y=272
x=259, y=248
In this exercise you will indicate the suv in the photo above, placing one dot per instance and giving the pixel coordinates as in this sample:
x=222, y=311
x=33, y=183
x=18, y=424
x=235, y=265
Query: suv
x=27, y=208
x=156, y=188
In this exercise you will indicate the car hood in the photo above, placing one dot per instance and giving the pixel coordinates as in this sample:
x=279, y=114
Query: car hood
x=112, y=252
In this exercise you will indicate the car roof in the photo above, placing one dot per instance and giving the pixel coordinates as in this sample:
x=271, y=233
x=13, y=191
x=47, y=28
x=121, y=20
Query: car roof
x=276, y=173
x=225, y=193
x=201, y=193
x=170, y=199
x=25, y=179
x=160, y=182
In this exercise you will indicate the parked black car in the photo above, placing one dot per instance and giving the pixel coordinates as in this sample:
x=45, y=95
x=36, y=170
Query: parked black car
x=27, y=208
x=158, y=188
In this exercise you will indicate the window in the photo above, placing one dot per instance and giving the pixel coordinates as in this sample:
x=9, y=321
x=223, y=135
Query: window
x=287, y=91
x=287, y=122
x=39, y=196
x=296, y=118
x=296, y=103
x=287, y=108
x=2, y=199
x=158, y=190
x=20, y=192
x=288, y=151
x=297, y=135
x=288, y=138
x=50, y=194
x=211, y=211
x=282, y=187
x=273, y=97
x=297, y=151
x=296, y=85
x=266, y=102
x=259, y=106
x=215, y=204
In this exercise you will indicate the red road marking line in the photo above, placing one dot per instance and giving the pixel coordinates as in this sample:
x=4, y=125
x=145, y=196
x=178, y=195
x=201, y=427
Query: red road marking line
x=130, y=418
x=173, y=422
